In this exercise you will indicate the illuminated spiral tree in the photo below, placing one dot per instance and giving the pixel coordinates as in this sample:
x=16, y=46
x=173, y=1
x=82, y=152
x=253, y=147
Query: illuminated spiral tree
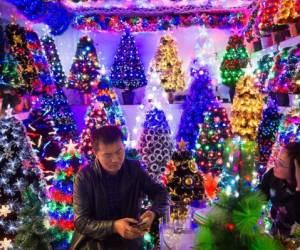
x=155, y=144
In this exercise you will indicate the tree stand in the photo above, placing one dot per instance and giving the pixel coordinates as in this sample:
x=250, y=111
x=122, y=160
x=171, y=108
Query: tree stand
x=128, y=97
x=171, y=97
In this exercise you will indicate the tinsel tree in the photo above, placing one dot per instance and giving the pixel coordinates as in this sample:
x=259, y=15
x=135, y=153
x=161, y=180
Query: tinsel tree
x=44, y=139
x=34, y=45
x=60, y=207
x=169, y=66
x=183, y=181
x=264, y=66
x=287, y=12
x=246, y=109
x=267, y=131
x=107, y=96
x=16, y=38
x=10, y=73
x=127, y=71
x=213, y=132
x=236, y=223
x=284, y=72
x=33, y=233
x=155, y=143
x=266, y=14
x=234, y=61
x=85, y=70
x=52, y=55
x=95, y=117
x=19, y=170
x=198, y=101
x=56, y=104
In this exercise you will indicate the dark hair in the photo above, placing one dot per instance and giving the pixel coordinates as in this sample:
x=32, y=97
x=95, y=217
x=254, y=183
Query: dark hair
x=294, y=153
x=10, y=100
x=107, y=135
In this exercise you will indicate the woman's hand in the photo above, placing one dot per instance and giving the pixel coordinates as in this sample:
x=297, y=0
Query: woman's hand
x=297, y=173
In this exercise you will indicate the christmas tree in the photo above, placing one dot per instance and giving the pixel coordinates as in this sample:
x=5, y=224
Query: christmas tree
x=286, y=12
x=60, y=208
x=261, y=73
x=183, y=180
x=95, y=117
x=236, y=223
x=169, y=66
x=85, y=70
x=246, y=109
x=107, y=96
x=210, y=144
x=10, y=74
x=205, y=52
x=267, y=131
x=279, y=63
x=198, y=101
x=266, y=14
x=155, y=144
x=45, y=80
x=19, y=170
x=42, y=133
x=285, y=71
x=56, y=104
x=32, y=234
x=234, y=61
x=16, y=37
x=127, y=71
x=52, y=55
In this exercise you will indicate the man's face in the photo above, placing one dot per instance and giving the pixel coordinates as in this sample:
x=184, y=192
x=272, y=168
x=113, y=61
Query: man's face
x=282, y=165
x=111, y=156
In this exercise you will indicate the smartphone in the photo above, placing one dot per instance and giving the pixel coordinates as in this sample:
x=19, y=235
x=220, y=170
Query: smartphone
x=141, y=223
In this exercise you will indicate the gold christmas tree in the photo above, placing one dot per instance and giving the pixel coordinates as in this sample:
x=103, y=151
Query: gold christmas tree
x=286, y=12
x=246, y=109
x=169, y=66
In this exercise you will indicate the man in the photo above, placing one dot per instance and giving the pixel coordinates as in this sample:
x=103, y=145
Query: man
x=107, y=197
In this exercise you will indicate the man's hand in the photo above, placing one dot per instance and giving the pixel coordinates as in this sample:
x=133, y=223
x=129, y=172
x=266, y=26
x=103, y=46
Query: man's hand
x=148, y=217
x=297, y=173
x=125, y=230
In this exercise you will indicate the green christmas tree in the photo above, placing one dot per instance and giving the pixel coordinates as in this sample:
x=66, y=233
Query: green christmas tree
x=235, y=59
x=32, y=234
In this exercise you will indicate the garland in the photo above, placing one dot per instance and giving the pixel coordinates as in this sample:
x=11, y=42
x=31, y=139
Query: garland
x=100, y=22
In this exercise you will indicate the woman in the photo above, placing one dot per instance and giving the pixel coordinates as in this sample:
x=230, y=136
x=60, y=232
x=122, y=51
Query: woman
x=281, y=184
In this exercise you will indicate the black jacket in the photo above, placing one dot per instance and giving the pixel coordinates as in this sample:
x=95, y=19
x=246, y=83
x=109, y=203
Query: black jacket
x=93, y=231
x=285, y=200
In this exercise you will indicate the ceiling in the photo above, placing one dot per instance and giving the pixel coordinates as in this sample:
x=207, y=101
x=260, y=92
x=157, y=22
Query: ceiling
x=211, y=5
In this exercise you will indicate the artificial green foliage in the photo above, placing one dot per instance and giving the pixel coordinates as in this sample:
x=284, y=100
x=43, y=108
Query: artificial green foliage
x=233, y=225
x=32, y=234
x=265, y=242
x=247, y=213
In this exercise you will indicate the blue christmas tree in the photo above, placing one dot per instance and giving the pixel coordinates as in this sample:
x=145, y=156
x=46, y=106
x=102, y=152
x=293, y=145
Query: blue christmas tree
x=156, y=145
x=267, y=131
x=127, y=71
x=54, y=61
x=57, y=106
x=198, y=101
